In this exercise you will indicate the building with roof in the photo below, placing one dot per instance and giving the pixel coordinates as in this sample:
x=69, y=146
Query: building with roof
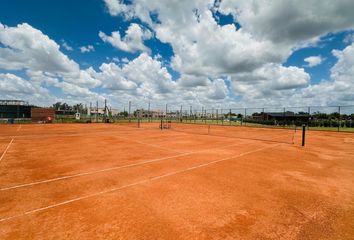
x=15, y=109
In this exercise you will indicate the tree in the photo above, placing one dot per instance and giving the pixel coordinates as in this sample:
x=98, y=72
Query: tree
x=124, y=114
x=335, y=115
x=319, y=115
x=57, y=105
x=61, y=106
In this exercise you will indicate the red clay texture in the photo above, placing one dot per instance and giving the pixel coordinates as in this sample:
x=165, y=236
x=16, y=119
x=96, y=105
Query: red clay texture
x=117, y=181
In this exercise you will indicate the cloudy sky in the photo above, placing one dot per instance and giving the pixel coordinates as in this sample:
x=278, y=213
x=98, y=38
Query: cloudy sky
x=202, y=53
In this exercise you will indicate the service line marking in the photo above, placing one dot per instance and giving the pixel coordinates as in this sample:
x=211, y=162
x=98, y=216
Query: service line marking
x=111, y=169
x=7, y=148
x=134, y=184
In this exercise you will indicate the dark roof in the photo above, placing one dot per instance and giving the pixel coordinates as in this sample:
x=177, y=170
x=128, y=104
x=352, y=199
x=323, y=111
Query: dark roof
x=13, y=102
x=285, y=114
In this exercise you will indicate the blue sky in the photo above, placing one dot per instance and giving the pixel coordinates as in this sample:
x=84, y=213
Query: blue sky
x=205, y=53
x=62, y=20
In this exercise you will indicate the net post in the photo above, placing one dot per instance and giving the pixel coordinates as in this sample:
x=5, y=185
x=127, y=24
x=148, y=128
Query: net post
x=138, y=122
x=208, y=129
x=303, y=135
x=161, y=124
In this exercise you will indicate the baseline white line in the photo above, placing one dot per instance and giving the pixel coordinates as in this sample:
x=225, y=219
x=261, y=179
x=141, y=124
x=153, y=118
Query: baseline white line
x=7, y=148
x=109, y=169
x=134, y=184
x=84, y=134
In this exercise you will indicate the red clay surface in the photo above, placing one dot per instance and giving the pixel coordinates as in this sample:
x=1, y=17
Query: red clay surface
x=111, y=181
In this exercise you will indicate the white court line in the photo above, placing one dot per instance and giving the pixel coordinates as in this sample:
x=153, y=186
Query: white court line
x=110, y=169
x=7, y=148
x=19, y=127
x=134, y=184
x=84, y=134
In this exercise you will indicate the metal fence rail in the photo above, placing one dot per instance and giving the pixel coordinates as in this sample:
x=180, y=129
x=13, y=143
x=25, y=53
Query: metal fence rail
x=333, y=118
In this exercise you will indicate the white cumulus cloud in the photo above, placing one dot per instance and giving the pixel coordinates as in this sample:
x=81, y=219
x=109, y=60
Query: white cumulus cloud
x=133, y=40
x=313, y=61
x=87, y=49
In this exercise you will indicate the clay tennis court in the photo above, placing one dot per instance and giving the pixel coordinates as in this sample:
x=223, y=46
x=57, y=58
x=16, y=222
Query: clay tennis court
x=117, y=181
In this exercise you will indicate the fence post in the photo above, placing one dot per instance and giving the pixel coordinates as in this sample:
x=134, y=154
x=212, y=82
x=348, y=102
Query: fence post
x=166, y=112
x=180, y=114
x=241, y=119
x=308, y=120
x=190, y=113
x=230, y=117
x=90, y=110
x=222, y=117
x=96, y=111
x=339, y=118
x=245, y=116
x=149, y=113
x=202, y=114
x=130, y=105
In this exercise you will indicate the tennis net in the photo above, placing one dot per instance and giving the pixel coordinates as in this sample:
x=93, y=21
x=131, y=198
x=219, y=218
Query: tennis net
x=280, y=135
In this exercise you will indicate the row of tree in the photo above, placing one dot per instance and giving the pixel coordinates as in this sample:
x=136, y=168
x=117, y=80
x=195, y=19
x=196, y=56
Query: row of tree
x=59, y=106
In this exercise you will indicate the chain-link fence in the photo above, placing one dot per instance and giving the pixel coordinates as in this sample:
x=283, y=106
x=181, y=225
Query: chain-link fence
x=335, y=118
